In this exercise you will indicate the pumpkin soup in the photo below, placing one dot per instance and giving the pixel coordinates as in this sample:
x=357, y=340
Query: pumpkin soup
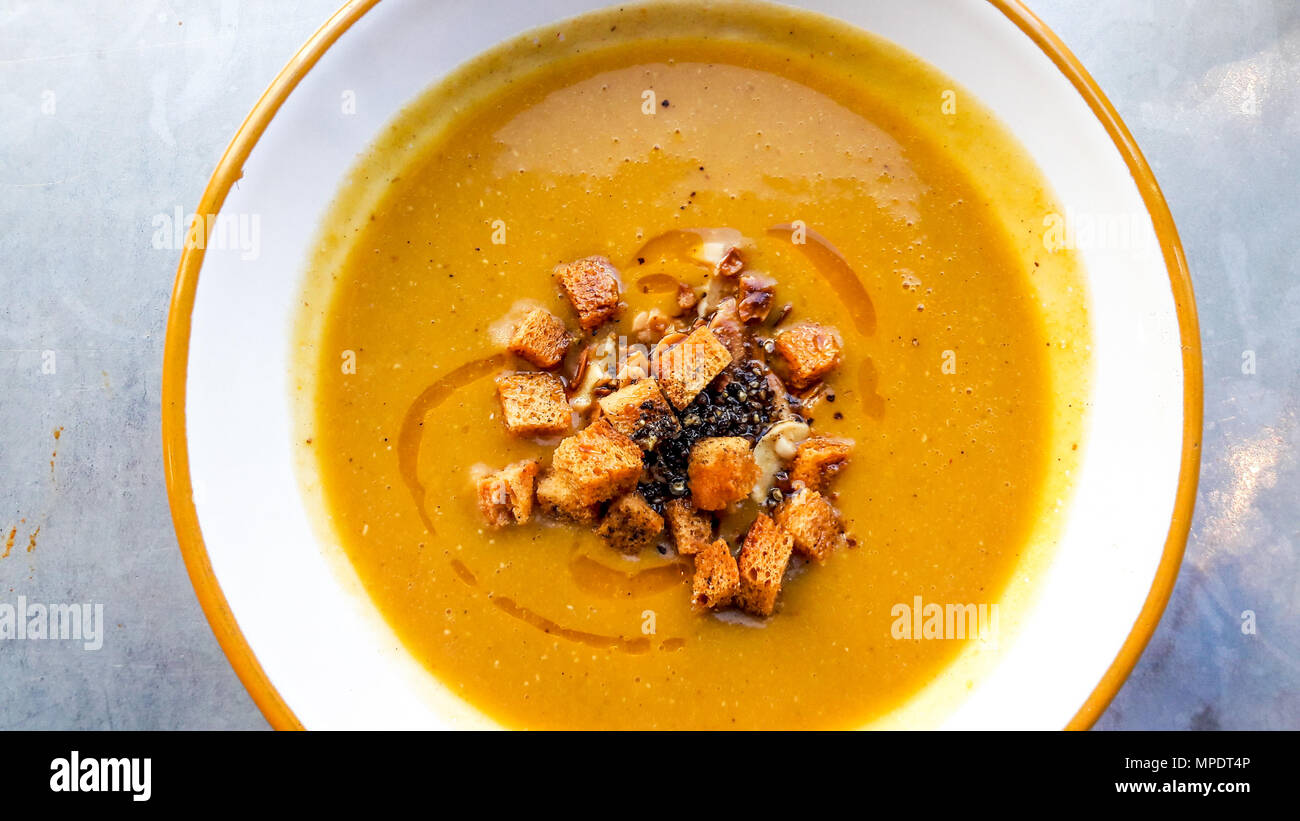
x=507, y=464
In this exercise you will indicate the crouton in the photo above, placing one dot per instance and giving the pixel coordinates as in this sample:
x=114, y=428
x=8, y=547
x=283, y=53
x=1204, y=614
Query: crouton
x=506, y=497
x=687, y=368
x=592, y=286
x=722, y=470
x=762, y=563
x=559, y=498
x=630, y=524
x=641, y=412
x=818, y=460
x=812, y=523
x=691, y=529
x=809, y=352
x=534, y=404
x=599, y=462
x=717, y=578
x=541, y=338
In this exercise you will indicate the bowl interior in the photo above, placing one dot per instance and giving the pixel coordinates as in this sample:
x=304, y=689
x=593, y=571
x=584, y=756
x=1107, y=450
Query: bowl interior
x=316, y=635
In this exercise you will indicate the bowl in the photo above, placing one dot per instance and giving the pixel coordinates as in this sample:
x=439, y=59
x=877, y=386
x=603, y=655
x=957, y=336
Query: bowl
x=294, y=621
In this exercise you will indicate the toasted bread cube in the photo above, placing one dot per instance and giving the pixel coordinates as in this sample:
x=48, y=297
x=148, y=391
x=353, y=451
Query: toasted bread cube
x=555, y=495
x=541, y=338
x=722, y=470
x=691, y=529
x=600, y=462
x=534, y=404
x=559, y=498
x=809, y=351
x=494, y=501
x=717, y=577
x=591, y=284
x=688, y=367
x=641, y=412
x=506, y=497
x=762, y=563
x=818, y=460
x=813, y=524
x=631, y=525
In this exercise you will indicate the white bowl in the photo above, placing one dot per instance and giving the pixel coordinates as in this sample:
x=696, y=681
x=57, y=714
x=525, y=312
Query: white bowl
x=310, y=645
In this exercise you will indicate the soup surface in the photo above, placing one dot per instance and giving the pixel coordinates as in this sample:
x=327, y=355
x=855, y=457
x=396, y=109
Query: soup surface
x=610, y=135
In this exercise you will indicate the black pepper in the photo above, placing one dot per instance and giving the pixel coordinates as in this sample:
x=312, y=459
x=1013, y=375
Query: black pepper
x=738, y=403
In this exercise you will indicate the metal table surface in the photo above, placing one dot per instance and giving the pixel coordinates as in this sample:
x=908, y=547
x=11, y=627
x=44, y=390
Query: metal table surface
x=112, y=113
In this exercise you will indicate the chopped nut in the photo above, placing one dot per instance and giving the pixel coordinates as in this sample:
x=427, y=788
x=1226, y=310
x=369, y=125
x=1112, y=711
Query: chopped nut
x=754, y=299
x=579, y=372
x=718, y=245
x=727, y=326
x=780, y=399
x=636, y=366
x=651, y=325
x=731, y=264
x=810, y=398
x=783, y=314
x=717, y=289
x=592, y=373
x=686, y=297
x=663, y=345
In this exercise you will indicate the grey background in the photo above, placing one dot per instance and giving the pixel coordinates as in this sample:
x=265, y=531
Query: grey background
x=146, y=96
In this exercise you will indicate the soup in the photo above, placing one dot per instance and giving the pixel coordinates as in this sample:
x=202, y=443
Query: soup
x=883, y=204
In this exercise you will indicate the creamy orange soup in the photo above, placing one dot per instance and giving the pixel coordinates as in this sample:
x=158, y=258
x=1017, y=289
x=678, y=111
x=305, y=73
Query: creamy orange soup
x=613, y=135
